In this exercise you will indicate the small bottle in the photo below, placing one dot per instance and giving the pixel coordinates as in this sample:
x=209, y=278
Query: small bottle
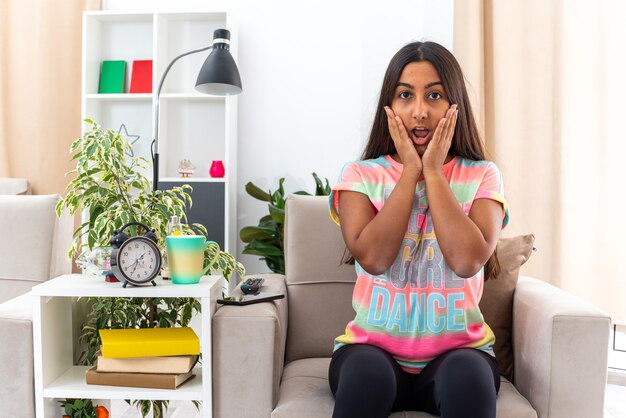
x=174, y=227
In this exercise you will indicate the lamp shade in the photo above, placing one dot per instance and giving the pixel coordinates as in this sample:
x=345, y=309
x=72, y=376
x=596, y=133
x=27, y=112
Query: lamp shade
x=219, y=74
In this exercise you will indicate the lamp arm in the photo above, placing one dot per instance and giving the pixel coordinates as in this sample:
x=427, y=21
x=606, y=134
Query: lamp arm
x=155, y=150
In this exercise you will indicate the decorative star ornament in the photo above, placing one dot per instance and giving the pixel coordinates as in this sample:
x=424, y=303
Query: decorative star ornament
x=135, y=138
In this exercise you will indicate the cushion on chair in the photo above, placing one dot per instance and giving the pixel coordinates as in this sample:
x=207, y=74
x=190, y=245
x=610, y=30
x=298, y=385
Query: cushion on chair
x=496, y=304
x=305, y=393
x=313, y=335
x=313, y=243
x=316, y=280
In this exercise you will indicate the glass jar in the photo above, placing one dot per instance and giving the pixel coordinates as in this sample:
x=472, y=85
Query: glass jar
x=174, y=227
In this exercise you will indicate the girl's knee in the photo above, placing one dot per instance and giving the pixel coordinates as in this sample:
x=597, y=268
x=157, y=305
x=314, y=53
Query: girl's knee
x=465, y=381
x=369, y=365
x=466, y=370
x=366, y=383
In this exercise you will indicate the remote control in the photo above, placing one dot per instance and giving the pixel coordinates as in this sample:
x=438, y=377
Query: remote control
x=252, y=285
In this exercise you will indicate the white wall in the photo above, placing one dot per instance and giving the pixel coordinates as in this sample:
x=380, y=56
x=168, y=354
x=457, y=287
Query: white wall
x=311, y=74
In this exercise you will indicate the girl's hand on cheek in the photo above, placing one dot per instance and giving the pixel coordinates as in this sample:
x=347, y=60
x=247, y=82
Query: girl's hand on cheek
x=438, y=148
x=404, y=146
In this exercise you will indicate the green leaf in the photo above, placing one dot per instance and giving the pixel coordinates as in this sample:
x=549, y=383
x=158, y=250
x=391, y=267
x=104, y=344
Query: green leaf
x=278, y=197
x=276, y=264
x=257, y=193
x=281, y=189
x=278, y=214
x=262, y=248
x=145, y=408
x=94, y=213
x=186, y=315
x=320, y=188
x=249, y=233
x=91, y=149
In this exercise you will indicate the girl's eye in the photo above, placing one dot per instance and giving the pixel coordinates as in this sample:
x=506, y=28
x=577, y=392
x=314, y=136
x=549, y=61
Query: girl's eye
x=435, y=95
x=405, y=95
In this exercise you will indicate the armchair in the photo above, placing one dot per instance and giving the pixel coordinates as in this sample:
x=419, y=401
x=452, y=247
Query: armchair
x=33, y=248
x=271, y=359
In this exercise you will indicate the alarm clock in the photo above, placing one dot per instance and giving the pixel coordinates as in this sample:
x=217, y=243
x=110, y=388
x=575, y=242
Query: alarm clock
x=135, y=260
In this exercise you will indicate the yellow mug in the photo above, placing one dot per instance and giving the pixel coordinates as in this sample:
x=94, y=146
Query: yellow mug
x=185, y=257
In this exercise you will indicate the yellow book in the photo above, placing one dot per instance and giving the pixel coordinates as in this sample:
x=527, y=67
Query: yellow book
x=145, y=342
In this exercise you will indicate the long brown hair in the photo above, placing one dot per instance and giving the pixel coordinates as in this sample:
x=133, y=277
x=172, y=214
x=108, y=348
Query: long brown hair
x=466, y=142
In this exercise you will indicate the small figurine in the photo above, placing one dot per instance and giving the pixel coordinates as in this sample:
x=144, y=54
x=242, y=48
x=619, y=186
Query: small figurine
x=186, y=168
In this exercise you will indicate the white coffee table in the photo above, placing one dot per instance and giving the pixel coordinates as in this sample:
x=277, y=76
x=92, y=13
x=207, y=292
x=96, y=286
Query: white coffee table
x=54, y=333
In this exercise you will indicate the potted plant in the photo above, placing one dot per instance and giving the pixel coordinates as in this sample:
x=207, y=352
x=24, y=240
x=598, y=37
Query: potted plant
x=83, y=408
x=110, y=187
x=267, y=238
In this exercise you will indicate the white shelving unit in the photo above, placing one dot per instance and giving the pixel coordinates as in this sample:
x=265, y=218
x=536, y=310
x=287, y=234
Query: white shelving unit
x=56, y=377
x=193, y=126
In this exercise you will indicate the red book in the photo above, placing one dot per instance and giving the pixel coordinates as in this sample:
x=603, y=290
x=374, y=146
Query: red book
x=141, y=78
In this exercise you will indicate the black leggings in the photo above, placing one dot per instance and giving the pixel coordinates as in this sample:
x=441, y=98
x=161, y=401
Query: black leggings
x=367, y=382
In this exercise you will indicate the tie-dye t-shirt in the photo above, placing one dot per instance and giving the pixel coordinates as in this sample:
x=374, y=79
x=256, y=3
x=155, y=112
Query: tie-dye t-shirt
x=419, y=308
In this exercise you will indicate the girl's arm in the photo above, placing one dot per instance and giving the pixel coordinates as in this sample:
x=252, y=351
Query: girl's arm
x=374, y=239
x=466, y=242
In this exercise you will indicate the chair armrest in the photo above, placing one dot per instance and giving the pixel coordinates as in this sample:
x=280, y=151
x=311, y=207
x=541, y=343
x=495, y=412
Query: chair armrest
x=17, y=383
x=249, y=353
x=560, y=346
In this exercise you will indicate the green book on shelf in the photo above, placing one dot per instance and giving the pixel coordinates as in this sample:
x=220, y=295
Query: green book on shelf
x=112, y=77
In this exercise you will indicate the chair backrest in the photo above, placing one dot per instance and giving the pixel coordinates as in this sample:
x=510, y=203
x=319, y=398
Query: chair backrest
x=319, y=286
x=33, y=242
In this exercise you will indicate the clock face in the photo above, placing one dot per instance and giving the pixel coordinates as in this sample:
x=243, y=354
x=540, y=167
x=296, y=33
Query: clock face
x=139, y=260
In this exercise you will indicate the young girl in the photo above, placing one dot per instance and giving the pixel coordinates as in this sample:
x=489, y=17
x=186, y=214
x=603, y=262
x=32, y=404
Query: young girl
x=421, y=213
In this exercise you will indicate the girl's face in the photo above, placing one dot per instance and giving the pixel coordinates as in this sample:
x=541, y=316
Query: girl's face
x=421, y=101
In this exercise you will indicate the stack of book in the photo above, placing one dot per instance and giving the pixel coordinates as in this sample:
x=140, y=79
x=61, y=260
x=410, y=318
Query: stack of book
x=161, y=358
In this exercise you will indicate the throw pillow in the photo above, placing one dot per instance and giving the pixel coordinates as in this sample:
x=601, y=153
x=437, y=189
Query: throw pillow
x=496, y=304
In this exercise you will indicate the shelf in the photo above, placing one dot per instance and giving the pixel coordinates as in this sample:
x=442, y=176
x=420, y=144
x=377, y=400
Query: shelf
x=193, y=179
x=79, y=285
x=72, y=385
x=120, y=96
x=148, y=96
x=192, y=96
x=217, y=15
x=116, y=17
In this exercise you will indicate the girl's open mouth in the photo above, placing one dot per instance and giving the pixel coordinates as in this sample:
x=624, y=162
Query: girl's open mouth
x=420, y=136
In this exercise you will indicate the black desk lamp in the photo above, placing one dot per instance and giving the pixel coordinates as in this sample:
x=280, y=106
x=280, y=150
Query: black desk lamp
x=218, y=76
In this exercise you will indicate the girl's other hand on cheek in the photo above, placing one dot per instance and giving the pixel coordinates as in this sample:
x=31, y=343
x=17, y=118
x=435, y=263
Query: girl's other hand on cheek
x=404, y=146
x=439, y=147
